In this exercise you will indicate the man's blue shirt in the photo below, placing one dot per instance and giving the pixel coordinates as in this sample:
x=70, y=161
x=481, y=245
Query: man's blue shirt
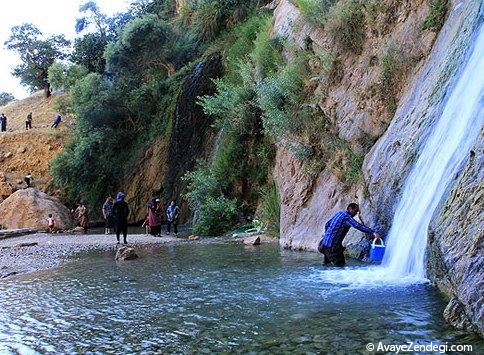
x=337, y=228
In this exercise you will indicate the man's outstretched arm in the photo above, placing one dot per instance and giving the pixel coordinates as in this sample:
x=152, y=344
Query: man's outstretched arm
x=353, y=223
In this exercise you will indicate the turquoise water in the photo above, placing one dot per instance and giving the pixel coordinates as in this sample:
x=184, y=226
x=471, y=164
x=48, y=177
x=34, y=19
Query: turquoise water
x=211, y=298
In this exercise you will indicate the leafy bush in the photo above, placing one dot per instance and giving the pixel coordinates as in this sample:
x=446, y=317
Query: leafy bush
x=266, y=53
x=347, y=25
x=91, y=165
x=89, y=52
x=393, y=67
x=207, y=19
x=63, y=76
x=436, y=16
x=353, y=170
x=315, y=11
x=216, y=216
x=62, y=104
x=143, y=45
x=281, y=99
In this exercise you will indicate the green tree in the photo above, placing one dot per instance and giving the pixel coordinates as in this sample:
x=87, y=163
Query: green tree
x=89, y=52
x=89, y=49
x=5, y=98
x=142, y=47
x=37, y=54
x=64, y=76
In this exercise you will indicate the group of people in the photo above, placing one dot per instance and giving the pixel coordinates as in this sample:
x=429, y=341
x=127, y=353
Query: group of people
x=153, y=217
x=115, y=213
x=28, y=122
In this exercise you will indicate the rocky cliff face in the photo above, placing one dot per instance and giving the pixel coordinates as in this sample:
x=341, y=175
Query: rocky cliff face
x=360, y=118
x=454, y=254
x=456, y=261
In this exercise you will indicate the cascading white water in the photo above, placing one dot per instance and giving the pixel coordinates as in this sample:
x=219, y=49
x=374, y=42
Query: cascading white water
x=447, y=146
x=444, y=151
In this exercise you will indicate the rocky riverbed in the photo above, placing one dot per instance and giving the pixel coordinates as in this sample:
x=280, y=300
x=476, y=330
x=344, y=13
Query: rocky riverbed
x=42, y=251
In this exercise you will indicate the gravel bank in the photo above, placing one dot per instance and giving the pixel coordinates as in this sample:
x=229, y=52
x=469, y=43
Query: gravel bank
x=52, y=250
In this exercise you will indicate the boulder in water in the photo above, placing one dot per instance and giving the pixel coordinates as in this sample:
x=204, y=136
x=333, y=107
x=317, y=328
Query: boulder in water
x=193, y=237
x=78, y=230
x=255, y=240
x=30, y=208
x=126, y=253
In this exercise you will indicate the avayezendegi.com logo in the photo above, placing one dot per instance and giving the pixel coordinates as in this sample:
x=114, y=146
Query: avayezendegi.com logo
x=411, y=347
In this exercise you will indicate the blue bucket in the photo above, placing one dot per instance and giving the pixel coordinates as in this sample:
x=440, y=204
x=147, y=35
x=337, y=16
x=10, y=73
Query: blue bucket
x=377, y=250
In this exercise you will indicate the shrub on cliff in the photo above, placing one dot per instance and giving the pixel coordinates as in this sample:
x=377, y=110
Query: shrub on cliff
x=346, y=23
x=216, y=216
x=436, y=16
x=63, y=76
x=315, y=11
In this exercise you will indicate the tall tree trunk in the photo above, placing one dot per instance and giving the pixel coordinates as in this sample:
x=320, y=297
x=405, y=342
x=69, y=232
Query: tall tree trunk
x=47, y=90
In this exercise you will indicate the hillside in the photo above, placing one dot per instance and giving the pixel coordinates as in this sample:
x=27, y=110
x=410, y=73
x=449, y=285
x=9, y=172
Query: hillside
x=24, y=151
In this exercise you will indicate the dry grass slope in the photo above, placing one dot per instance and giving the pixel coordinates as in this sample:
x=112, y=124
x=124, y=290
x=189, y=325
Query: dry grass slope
x=24, y=151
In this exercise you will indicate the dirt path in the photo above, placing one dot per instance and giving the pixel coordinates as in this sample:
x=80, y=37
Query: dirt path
x=19, y=255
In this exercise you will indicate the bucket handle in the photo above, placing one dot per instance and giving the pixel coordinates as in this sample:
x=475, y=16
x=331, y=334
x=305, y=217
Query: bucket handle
x=373, y=244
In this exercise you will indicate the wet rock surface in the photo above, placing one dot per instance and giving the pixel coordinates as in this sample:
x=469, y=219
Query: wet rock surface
x=359, y=118
x=126, y=253
x=255, y=240
x=455, y=254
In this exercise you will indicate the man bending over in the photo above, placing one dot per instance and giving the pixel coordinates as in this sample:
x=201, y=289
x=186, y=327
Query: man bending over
x=331, y=245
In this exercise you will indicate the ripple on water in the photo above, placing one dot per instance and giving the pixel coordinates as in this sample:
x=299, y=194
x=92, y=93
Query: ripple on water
x=194, y=299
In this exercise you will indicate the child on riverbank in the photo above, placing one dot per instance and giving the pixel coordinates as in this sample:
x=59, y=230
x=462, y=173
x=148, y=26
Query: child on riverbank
x=51, y=223
x=146, y=224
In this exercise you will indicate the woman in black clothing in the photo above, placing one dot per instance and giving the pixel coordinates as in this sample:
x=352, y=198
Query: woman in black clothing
x=120, y=214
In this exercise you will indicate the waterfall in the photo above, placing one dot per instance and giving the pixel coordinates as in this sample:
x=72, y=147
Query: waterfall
x=442, y=154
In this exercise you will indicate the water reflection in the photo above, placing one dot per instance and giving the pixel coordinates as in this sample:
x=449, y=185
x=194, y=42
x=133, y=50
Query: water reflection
x=191, y=299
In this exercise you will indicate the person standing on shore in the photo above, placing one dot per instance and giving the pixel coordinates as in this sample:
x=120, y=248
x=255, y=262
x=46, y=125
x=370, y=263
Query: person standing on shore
x=154, y=219
x=108, y=214
x=51, y=223
x=29, y=180
x=120, y=214
x=172, y=213
x=81, y=216
x=28, y=121
x=3, y=122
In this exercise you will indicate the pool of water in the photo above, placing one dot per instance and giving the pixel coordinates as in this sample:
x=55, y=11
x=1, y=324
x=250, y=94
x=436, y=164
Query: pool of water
x=211, y=298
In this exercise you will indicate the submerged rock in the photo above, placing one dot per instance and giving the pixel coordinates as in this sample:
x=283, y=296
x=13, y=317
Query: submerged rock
x=30, y=208
x=21, y=245
x=255, y=240
x=77, y=230
x=126, y=253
